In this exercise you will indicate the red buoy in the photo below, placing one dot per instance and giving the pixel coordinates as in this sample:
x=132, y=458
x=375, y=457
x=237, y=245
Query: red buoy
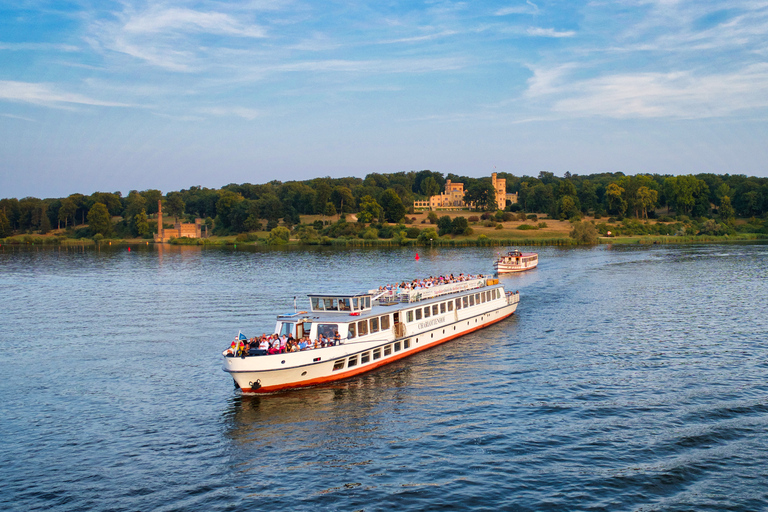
x=417, y=256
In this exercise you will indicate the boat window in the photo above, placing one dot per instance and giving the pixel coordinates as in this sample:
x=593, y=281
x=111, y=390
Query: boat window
x=365, y=357
x=406, y=343
x=286, y=329
x=375, y=324
x=362, y=327
x=426, y=312
x=465, y=301
x=303, y=329
x=450, y=304
x=434, y=309
x=409, y=316
x=471, y=300
x=385, y=322
x=338, y=365
x=387, y=350
x=442, y=307
x=355, y=303
x=458, y=303
x=327, y=330
x=418, y=314
x=397, y=346
x=351, y=330
x=317, y=304
x=352, y=361
x=344, y=305
x=330, y=304
x=368, y=302
x=376, y=353
x=477, y=298
x=498, y=293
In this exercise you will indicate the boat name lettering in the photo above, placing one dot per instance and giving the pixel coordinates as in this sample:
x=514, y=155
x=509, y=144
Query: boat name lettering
x=429, y=323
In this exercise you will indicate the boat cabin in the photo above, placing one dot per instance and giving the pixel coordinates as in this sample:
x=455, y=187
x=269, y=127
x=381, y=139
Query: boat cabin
x=334, y=303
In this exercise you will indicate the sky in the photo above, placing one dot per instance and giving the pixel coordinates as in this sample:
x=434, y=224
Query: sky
x=115, y=96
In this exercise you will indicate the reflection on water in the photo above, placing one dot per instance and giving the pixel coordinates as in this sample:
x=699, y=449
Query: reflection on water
x=630, y=377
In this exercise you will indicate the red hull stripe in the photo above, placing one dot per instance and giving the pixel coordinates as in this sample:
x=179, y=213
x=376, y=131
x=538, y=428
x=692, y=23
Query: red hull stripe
x=369, y=367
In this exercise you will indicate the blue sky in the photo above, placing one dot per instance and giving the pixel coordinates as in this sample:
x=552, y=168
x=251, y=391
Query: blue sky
x=100, y=95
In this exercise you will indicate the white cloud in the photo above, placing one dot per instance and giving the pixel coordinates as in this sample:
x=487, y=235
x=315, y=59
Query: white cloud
x=246, y=113
x=187, y=20
x=549, y=32
x=528, y=8
x=45, y=94
x=38, y=47
x=679, y=94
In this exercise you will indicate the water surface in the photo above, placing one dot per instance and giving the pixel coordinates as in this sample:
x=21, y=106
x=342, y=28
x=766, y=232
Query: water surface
x=630, y=378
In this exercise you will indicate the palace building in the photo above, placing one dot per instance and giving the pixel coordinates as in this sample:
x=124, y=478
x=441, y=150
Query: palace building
x=180, y=230
x=453, y=197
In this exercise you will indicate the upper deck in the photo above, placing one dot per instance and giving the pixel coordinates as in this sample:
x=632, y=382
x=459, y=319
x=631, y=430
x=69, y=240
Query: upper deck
x=341, y=306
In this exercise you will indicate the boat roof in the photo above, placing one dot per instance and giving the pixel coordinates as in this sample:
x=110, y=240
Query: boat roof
x=376, y=308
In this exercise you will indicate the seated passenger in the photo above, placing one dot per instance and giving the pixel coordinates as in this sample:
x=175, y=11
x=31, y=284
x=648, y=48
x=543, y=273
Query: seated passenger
x=336, y=338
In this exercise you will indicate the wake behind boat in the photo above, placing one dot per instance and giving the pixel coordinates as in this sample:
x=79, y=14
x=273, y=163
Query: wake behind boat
x=345, y=335
x=515, y=261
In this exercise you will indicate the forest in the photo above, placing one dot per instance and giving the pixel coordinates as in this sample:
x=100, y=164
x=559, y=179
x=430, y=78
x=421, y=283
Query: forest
x=716, y=204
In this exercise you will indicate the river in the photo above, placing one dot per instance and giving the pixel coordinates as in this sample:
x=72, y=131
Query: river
x=630, y=378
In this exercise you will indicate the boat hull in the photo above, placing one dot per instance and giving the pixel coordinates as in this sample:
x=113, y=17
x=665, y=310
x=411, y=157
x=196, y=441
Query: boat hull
x=268, y=374
x=504, y=268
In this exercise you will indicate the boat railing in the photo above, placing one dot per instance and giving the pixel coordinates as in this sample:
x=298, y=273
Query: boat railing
x=513, y=297
x=443, y=289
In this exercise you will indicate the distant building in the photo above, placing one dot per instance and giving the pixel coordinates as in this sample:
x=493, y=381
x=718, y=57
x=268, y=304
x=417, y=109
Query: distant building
x=180, y=230
x=453, y=197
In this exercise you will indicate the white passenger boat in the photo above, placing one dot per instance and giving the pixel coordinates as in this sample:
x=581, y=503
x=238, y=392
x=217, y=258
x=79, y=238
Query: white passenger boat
x=515, y=261
x=375, y=328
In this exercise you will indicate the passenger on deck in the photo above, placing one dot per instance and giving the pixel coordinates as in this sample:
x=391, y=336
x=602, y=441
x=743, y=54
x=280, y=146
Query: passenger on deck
x=336, y=338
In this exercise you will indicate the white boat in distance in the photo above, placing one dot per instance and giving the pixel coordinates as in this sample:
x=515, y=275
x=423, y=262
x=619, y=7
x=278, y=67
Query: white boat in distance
x=375, y=328
x=515, y=261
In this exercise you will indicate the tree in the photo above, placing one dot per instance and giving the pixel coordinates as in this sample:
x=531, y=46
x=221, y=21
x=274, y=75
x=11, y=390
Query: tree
x=5, y=225
x=429, y=186
x=99, y=219
x=67, y=210
x=393, y=206
x=444, y=225
x=369, y=210
x=482, y=195
x=584, y=232
x=646, y=200
x=459, y=226
x=616, y=203
x=342, y=199
x=278, y=236
x=567, y=207
x=174, y=204
x=141, y=224
x=726, y=211
x=330, y=210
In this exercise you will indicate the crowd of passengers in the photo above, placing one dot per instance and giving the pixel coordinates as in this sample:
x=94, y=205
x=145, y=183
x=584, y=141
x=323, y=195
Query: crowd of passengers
x=429, y=282
x=268, y=344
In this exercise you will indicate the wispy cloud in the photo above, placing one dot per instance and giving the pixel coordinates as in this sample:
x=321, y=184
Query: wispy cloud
x=243, y=112
x=187, y=20
x=48, y=95
x=527, y=8
x=549, y=32
x=38, y=47
x=679, y=94
x=21, y=118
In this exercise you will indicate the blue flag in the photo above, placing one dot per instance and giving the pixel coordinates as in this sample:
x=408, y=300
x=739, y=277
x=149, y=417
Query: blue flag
x=243, y=336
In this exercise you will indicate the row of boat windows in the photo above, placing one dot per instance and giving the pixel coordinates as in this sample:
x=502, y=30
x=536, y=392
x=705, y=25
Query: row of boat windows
x=460, y=302
x=382, y=323
x=372, y=355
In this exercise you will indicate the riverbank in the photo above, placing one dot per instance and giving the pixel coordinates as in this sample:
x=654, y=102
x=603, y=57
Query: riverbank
x=535, y=230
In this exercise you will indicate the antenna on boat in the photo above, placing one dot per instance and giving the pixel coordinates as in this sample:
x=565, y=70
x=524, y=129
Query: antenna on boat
x=294, y=304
